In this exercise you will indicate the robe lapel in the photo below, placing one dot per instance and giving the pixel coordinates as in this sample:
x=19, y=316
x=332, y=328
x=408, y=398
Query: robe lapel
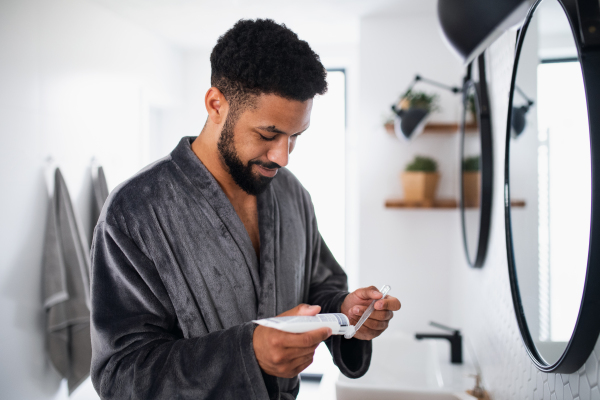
x=208, y=187
x=268, y=220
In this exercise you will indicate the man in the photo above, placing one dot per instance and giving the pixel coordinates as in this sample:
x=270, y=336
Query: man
x=191, y=249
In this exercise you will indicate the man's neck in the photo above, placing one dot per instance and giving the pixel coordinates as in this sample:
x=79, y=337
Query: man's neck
x=208, y=153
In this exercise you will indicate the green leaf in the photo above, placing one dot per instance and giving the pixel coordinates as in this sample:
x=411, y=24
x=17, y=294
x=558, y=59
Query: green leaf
x=422, y=164
x=471, y=164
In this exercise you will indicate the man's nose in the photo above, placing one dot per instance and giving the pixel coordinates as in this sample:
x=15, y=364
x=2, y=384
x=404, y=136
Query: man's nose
x=280, y=151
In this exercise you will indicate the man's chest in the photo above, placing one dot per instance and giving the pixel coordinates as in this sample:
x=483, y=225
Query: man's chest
x=249, y=218
x=210, y=265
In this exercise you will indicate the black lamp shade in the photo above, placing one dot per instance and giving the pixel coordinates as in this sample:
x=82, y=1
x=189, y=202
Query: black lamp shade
x=410, y=123
x=470, y=26
x=518, y=121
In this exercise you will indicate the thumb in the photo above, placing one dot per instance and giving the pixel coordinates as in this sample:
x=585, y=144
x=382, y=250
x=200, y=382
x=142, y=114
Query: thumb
x=305, y=309
x=302, y=309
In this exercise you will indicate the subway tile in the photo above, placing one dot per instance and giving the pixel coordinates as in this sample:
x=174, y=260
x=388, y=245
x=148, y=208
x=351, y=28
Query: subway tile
x=584, y=389
x=568, y=394
x=559, y=388
x=591, y=369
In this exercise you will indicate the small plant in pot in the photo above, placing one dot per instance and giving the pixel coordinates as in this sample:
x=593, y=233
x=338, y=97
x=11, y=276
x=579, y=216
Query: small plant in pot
x=411, y=113
x=471, y=178
x=422, y=100
x=420, y=180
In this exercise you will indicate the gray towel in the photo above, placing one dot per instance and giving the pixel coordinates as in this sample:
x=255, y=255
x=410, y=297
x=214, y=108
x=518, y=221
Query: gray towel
x=65, y=285
x=100, y=188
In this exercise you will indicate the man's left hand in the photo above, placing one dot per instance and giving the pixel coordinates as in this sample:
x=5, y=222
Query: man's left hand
x=356, y=303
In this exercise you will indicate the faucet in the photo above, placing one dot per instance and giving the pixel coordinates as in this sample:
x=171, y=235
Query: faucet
x=455, y=340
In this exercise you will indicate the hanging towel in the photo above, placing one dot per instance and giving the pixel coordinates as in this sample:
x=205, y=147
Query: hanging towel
x=100, y=194
x=65, y=285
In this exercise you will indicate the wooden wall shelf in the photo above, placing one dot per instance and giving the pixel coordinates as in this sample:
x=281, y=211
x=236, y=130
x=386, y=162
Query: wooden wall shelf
x=517, y=203
x=438, y=203
x=439, y=128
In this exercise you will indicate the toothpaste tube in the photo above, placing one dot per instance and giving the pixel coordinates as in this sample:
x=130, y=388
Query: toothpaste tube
x=338, y=323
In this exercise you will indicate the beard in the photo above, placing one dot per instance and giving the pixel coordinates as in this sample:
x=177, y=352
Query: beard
x=248, y=181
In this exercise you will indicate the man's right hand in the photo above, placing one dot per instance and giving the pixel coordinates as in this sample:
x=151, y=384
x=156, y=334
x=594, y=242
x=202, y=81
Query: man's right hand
x=285, y=354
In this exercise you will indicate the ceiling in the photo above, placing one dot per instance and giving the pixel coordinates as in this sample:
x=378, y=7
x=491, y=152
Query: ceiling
x=198, y=23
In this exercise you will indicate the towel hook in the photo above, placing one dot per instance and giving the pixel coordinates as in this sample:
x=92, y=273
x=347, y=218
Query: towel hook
x=49, y=174
x=94, y=165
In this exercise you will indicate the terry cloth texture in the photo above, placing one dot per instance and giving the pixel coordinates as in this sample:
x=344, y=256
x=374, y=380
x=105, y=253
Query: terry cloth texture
x=65, y=285
x=176, y=282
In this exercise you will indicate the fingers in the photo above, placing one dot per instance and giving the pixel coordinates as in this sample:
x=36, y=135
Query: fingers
x=307, y=339
x=357, y=312
x=298, y=365
x=366, y=333
x=304, y=363
x=286, y=354
x=376, y=325
x=302, y=309
x=371, y=293
x=389, y=303
x=372, y=323
x=305, y=309
x=288, y=365
x=368, y=293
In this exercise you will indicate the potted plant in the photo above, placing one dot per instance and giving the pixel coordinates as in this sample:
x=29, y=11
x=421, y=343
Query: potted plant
x=419, y=180
x=388, y=123
x=422, y=100
x=471, y=178
x=412, y=111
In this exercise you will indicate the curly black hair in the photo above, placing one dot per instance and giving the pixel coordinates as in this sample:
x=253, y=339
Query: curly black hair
x=263, y=57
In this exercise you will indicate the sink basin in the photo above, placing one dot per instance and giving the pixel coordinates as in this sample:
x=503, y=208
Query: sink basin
x=403, y=368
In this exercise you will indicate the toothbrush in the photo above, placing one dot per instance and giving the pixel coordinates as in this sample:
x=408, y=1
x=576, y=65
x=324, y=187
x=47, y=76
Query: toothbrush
x=350, y=333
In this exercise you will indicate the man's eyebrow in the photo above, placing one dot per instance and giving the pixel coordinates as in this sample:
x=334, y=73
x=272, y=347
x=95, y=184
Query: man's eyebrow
x=274, y=129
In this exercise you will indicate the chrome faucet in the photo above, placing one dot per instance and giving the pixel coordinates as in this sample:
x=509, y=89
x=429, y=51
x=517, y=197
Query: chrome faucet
x=455, y=340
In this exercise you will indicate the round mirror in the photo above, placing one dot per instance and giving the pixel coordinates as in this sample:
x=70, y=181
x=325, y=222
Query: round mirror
x=476, y=165
x=549, y=192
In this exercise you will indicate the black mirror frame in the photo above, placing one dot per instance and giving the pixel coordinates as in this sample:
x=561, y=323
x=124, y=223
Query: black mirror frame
x=487, y=162
x=587, y=326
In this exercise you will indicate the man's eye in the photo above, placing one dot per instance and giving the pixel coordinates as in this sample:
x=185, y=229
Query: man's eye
x=268, y=139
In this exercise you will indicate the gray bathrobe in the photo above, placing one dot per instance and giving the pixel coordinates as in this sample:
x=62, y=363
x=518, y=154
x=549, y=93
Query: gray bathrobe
x=176, y=282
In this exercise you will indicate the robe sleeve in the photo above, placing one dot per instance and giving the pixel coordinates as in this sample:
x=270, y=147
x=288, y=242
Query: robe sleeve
x=138, y=350
x=329, y=288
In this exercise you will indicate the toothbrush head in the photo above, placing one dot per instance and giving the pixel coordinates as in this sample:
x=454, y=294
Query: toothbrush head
x=350, y=332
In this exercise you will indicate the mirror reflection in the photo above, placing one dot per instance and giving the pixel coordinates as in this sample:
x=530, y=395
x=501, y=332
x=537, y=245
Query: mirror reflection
x=550, y=180
x=471, y=172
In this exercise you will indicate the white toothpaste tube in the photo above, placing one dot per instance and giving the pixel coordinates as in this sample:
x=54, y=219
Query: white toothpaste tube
x=338, y=323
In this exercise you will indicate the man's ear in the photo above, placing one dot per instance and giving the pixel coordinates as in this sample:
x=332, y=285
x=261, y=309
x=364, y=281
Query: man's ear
x=216, y=106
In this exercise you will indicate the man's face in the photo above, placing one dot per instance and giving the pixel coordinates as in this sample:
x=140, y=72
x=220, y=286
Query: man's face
x=258, y=142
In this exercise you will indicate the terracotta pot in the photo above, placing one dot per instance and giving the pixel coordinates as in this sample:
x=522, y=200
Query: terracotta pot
x=389, y=127
x=420, y=187
x=471, y=188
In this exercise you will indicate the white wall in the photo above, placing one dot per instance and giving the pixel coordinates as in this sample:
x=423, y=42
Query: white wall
x=482, y=304
x=413, y=251
x=76, y=81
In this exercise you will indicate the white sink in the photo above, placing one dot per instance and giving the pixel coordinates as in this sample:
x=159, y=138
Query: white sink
x=403, y=368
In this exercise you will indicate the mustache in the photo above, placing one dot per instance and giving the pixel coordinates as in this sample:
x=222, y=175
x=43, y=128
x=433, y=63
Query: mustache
x=267, y=165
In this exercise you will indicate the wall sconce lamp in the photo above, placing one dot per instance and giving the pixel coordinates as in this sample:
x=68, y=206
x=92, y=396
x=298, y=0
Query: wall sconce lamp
x=409, y=121
x=518, y=120
x=470, y=26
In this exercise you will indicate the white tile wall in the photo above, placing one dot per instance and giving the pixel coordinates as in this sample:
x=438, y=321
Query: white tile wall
x=483, y=304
